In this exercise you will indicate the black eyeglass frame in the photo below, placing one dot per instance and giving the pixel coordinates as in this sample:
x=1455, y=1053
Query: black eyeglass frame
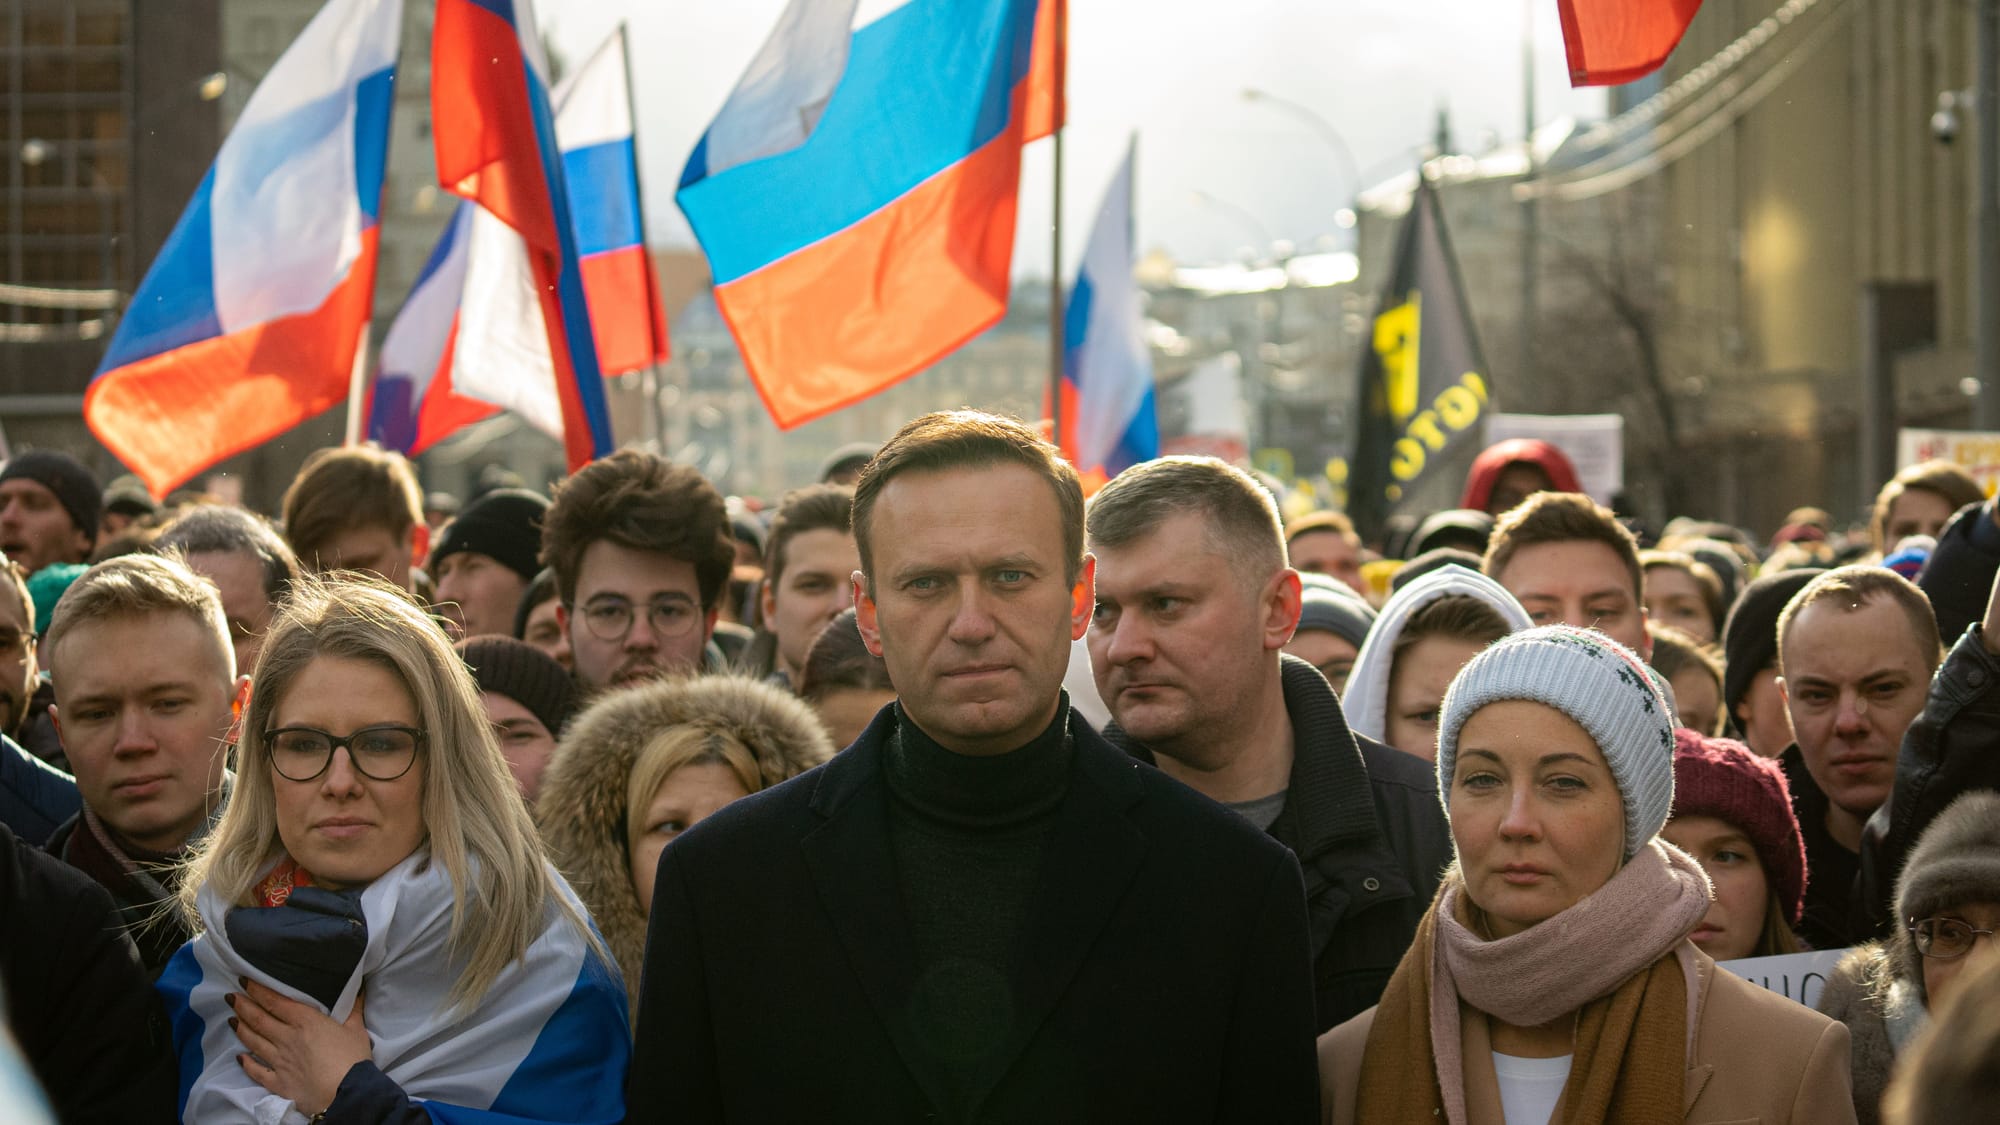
x=334, y=742
x=1924, y=944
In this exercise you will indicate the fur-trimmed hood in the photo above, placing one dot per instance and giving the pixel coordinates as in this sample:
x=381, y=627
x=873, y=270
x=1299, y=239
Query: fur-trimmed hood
x=1883, y=1016
x=581, y=809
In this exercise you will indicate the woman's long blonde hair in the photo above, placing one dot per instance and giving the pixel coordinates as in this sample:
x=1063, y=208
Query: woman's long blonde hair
x=477, y=825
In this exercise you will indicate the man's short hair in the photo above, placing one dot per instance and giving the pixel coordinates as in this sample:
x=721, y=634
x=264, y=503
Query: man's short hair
x=222, y=529
x=340, y=489
x=135, y=586
x=642, y=502
x=970, y=439
x=1562, y=517
x=1326, y=520
x=1854, y=586
x=1239, y=515
x=1942, y=479
x=816, y=507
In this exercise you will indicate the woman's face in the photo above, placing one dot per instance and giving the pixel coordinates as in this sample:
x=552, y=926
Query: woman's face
x=1534, y=813
x=1416, y=690
x=688, y=796
x=1942, y=976
x=345, y=828
x=1735, y=919
x=1697, y=697
x=1674, y=598
x=524, y=741
x=846, y=712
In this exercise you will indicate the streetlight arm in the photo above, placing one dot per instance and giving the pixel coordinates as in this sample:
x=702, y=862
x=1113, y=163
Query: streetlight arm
x=1320, y=125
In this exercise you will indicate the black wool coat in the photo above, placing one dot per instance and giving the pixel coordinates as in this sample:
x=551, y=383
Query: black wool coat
x=1162, y=976
x=77, y=999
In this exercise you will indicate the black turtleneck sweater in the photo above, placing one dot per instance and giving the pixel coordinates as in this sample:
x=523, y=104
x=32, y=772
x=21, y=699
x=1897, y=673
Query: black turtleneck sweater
x=968, y=835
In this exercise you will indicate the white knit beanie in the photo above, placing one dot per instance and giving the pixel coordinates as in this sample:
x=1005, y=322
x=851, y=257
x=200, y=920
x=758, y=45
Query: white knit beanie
x=1601, y=684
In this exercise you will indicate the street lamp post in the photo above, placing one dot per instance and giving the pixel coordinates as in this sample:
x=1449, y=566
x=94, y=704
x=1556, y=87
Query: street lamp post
x=1323, y=128
x=1986, y=120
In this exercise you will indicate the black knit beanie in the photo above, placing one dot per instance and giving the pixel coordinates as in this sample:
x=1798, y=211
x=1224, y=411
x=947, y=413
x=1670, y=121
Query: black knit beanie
x=76, y=490
x=524, y=674
x=1332, y=607
x=505, y=525
x=1750, y=636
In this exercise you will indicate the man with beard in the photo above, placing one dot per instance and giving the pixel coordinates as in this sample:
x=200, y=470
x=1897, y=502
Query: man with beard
x=1856, y=649
x=1194, y=607
x=641, y=549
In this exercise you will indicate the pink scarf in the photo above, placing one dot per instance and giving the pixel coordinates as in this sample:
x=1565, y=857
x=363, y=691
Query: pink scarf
x=1562, y=963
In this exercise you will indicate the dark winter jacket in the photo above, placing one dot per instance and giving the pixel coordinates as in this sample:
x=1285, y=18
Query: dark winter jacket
x=1959, y=575
x=1163, y=975
x=582, y=805
x=35, y=797
x=143, y=893
x=78, y=1000
x=1830, y=867
x=1370, y=836
x=38, y=734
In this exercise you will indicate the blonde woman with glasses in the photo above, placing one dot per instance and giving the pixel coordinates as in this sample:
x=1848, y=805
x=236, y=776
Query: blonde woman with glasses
x=377, y=927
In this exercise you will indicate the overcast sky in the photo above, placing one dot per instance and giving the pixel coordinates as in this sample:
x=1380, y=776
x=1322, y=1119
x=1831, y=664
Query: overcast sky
x=1174, y=71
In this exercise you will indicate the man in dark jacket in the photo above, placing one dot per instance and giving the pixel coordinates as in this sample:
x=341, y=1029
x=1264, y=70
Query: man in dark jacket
x=980, y=911
x=1194, y=605
x=35, y=797
x=78, y=1000
x=1948, y=751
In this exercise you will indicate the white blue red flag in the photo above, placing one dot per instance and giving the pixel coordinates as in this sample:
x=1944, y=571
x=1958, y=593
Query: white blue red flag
x=496, y=144
x=856, y=194
x=470, y=338
x=1109, y=421
x=250, y=319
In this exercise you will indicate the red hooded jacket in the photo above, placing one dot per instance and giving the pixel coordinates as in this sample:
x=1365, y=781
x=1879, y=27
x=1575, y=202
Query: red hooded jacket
x=1492, y=460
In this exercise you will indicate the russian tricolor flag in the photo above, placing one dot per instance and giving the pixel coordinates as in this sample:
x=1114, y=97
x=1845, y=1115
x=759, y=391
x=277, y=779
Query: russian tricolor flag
x=856, y=195
x=250, y=319
x=496, y=146
x=1109, y=422
x=432, y=380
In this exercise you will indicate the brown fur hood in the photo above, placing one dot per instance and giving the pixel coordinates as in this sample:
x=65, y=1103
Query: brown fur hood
x=581, y=808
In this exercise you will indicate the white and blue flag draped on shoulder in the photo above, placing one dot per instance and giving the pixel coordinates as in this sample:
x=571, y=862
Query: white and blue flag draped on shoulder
x=1109, y=419
x=549, y=1041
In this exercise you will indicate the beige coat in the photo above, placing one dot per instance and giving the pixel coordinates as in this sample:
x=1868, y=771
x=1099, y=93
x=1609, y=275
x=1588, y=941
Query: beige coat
x=1758, y=1059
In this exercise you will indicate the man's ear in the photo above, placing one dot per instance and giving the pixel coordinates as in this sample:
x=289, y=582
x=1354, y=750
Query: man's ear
x=1083, y=599
x=864, y=615
x=1283, y=601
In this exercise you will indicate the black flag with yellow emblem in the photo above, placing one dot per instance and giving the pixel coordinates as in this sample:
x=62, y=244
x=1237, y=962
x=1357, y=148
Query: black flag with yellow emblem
x=1424, y=386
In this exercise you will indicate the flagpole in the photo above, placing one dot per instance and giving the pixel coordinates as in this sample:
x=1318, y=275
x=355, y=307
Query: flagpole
x=649, y=383
x=357, y=385
x=1056, y=227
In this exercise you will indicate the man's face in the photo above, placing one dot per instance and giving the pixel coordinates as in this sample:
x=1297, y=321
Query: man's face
x=811, y=592
x=1854, y=681
x=240, y=579
x=545, y=631
x=1329, y=553
x=1918, y=511
x=1578, y=582
x=478, y=593
x=372, y=548
x=35, y=529
x=657, y=599
x=143, y=705
x=18, y=671
x=1516, y=483
x=1329, y=652
x=1674, y=598
x=973, y=611
x=1182, y=641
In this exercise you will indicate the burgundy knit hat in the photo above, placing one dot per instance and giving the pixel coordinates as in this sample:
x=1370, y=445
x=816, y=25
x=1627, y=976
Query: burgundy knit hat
x=1720, y=777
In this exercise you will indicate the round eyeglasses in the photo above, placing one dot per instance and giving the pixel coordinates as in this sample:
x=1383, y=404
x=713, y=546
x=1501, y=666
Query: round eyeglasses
x=380, y=753
x=1945, y=939
x=610, y=619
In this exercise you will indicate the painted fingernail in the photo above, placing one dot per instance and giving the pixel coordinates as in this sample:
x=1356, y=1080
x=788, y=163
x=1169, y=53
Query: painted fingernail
x=230, y=1000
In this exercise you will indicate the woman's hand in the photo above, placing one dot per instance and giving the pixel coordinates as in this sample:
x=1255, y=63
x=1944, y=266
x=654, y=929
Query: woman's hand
x=295, y=1051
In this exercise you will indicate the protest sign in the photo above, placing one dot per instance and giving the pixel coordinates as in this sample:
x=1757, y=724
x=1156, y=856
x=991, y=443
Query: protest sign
x=1974, y=451
x=1796, y=976
x=1594, y=443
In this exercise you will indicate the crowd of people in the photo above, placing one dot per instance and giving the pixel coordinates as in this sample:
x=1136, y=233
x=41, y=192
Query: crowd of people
x=937, y=791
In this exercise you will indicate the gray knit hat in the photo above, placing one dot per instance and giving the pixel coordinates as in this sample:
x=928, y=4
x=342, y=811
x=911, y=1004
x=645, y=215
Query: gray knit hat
x=1594, y=680
x=1955, y=862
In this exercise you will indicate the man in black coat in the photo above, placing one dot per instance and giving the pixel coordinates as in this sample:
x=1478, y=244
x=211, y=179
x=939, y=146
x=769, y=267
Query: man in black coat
x=77, y=998
x=980, y=911
x=1194, y=607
